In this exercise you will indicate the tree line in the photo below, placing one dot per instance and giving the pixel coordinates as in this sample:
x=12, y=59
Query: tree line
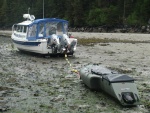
x=79, y=13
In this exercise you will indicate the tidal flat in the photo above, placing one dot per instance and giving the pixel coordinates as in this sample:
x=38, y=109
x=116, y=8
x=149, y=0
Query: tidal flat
x=31, y=83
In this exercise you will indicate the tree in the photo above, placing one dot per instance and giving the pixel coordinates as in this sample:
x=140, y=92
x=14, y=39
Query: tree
x=145, y=11
x=3, y=14
x=38, y=9
x=78, y=12
x=95, y=16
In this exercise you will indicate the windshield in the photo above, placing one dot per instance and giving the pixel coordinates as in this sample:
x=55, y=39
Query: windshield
x=20, y=28
x=46, y=29
x=49, y=28
x=32, y=31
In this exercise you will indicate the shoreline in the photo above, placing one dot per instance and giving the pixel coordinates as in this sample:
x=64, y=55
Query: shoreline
x=120, y=36
x=5, y=33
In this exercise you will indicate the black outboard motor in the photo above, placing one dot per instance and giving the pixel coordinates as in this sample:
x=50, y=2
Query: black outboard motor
x=128, y=97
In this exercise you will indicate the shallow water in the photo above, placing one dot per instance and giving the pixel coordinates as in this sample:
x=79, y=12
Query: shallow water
x=32, y=84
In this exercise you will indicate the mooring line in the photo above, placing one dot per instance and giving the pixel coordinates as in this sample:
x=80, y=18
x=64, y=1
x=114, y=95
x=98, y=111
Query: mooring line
x=71, y=68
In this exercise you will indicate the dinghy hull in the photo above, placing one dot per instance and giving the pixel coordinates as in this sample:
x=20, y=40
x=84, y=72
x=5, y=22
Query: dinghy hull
x=119, y=86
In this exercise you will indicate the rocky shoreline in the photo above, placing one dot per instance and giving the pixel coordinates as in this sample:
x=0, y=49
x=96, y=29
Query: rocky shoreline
x=120, y=36
x=113, y=29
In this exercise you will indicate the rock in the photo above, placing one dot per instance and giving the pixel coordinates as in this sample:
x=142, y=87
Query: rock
x=3, y=106
x=69, y=76
x=59, y=98
x=36, y=93
x=84, y=106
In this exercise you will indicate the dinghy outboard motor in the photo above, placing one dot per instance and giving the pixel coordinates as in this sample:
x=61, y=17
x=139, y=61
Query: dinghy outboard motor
x=119, y=86
x=128, y=97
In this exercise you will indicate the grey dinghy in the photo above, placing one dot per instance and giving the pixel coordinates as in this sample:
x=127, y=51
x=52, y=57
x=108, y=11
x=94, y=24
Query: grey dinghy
x=119, y=86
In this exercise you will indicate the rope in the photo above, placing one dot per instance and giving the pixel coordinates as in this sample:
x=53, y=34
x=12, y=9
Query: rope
x=71, y=68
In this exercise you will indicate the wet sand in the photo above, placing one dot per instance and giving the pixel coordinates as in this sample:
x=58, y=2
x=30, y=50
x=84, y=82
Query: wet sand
x=120, y=36
x=30, y=83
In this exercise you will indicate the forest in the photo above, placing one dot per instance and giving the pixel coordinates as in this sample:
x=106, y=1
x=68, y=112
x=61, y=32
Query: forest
x=79, y=13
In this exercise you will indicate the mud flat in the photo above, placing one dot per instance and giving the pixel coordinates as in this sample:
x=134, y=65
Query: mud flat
x=32, y=84
x=119, y=36
x=6, y=33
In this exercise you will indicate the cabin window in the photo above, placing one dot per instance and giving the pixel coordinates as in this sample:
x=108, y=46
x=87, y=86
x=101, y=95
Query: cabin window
x=65, y=28
x=59, y=28
x=24, y=29
x=20, y=28
x=41, y=30
x=50, y=28
x=32, y=31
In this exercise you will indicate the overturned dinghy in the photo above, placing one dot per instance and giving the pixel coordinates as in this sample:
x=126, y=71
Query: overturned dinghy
x=119, y=86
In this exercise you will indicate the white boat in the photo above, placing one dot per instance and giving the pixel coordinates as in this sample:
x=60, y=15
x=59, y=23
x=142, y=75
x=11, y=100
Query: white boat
x=44, y=36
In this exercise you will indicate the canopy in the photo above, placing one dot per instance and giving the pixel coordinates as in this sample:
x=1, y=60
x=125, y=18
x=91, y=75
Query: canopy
x=47, y=20
x=40, y=28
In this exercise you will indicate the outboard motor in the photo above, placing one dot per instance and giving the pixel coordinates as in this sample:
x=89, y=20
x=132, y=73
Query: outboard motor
x=128, y=97
x=64, y=43
x=53, y=43
x=72, y=46
x=54, y=39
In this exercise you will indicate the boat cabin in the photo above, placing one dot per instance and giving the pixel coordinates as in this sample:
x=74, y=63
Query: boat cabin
x=40, y=28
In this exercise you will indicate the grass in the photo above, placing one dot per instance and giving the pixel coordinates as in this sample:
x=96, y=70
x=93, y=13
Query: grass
x=125, y=71
x=146, y=103
x=87, y=41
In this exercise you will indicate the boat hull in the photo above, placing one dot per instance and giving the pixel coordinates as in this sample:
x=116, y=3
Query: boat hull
x=32, y=46
x=119, y=86
x=39, y=46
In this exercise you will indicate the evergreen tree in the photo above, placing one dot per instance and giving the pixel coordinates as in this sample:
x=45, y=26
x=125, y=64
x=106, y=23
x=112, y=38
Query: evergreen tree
x=38, y=9
x=4, y=14
x=145, y=12
x=69, y=12
x=78, y=12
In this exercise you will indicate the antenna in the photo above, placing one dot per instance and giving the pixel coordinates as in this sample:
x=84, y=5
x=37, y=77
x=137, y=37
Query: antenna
x=43, y=8
x=28, y=10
